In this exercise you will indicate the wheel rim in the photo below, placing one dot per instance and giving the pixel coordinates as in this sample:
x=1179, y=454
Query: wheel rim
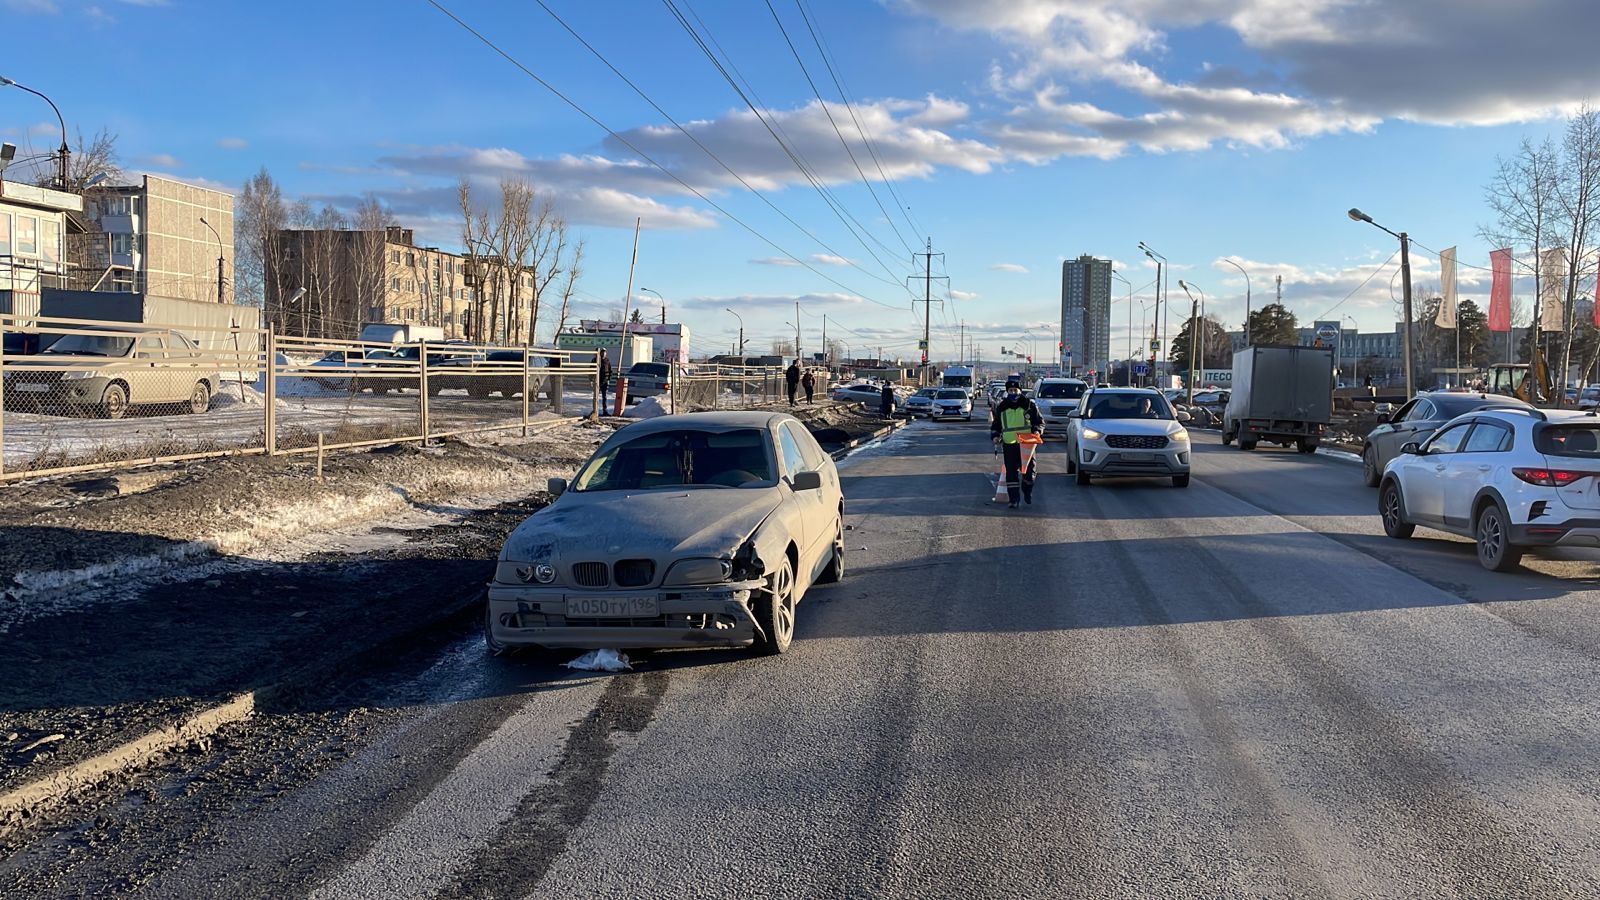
x=838, y=550
x=783, y=608
x=114, y=402
x=1491, y=536
x=1391, y=507
x=200, y=400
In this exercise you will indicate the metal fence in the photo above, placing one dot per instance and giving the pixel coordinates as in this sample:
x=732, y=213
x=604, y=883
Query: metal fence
x=732, y=387
x=111, y=395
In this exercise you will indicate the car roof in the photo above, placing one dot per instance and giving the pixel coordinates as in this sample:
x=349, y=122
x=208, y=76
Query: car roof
x=1127, y=390
x=1062, y=379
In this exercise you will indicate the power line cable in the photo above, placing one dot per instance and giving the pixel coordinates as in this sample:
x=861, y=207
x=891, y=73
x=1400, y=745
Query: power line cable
x=1358, y=288
x=838, y=82
x=831, y=121
x=686, y=133
x=645, y=156
x=775, y=129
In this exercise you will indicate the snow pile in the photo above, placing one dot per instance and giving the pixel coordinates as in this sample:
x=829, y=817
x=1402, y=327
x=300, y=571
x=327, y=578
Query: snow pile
x=648, y=408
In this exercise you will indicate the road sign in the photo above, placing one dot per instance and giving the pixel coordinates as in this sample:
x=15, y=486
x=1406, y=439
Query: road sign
x=1141, y=369
x=922, y=345
x=1068, y=357
x=1154, y=346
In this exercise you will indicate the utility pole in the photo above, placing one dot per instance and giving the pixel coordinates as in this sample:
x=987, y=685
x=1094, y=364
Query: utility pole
x=797, y=331
x=927, y=301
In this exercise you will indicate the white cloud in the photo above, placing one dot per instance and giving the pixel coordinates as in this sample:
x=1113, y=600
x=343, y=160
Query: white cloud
x=1009, y=267
x=162, y=160
x=829, y=259
x=781, y=302
x=775, y=261
x=233, y=143
x=964, y=295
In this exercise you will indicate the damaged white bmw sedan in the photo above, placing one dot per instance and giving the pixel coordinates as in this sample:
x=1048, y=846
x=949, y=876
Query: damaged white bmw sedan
x=700, y=530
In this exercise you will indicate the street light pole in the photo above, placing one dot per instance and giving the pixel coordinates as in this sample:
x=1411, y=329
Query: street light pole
x=1405, y=276
x=220, y=297
x=1160, y=323
x=1246, y=297
x=65, y=152
x=663, y=300
x=1194, y=336
x=741, y=334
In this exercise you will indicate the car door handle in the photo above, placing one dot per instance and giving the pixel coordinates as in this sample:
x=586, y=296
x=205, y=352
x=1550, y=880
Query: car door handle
x=1486, y=468
x=1439, y=468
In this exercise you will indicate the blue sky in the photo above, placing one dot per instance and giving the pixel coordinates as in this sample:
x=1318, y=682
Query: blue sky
x=1018, y=133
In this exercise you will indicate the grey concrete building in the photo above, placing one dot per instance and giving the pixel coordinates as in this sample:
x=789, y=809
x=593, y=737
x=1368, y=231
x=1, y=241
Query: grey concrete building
x=1086, y=314
x=148, y=237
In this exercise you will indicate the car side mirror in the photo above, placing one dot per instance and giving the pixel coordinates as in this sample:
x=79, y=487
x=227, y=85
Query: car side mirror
x=1184, y=417
x=556, y=486
x=1412, y=448
x=807, y=481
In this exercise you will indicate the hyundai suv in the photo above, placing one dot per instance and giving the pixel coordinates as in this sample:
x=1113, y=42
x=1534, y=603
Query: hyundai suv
x=1127, y=431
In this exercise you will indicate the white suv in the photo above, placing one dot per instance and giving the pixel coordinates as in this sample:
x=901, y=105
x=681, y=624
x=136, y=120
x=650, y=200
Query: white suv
x=1127, y=431
x=1057, y=399
x=1509, y=479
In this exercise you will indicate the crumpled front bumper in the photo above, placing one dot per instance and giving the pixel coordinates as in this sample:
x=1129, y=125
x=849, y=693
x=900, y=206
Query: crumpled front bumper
x=711, y=616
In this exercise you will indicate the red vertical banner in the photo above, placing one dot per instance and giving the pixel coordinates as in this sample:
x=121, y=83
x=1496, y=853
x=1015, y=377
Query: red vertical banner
x=1500, y=290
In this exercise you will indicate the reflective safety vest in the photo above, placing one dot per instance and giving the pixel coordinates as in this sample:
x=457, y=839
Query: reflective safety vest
x=1013, y=421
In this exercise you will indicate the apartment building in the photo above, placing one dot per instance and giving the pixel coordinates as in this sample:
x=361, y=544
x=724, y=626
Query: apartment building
x=1086, y=314
x=156, y=236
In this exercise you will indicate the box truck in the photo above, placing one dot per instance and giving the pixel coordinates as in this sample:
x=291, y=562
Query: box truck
x=1280, y=393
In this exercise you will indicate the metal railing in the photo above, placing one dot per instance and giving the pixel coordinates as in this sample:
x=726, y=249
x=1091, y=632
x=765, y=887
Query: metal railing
x=113, y=395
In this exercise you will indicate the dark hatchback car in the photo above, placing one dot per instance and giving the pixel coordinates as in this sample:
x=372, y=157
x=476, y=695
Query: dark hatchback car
x=1417, y=421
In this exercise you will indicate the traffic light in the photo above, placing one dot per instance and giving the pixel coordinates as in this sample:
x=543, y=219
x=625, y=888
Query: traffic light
x=1060, y=345
x=1029, y=359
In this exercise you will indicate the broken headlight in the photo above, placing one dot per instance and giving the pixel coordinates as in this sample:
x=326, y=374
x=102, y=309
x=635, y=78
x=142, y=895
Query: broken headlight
x=699, y=571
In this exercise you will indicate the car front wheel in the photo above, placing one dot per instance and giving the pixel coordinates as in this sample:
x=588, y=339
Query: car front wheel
x=1493, y=534
x=774, y=611
x=1392, y=507
x=1181, y=481
x=835, y=571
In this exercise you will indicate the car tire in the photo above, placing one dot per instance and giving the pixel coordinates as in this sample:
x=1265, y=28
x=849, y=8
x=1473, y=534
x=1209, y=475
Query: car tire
x=1180, y=481
x=380, y=389
x=1227, y=438
x=1082, y=476
x=114, y=402
x=1492, y=536
x=834, y=573
x=1392, y=509
x=1247, y=446
x=1306, y=446
x=200, y=399
x=1072, y=464
x=1370, y=476
x=774, y=612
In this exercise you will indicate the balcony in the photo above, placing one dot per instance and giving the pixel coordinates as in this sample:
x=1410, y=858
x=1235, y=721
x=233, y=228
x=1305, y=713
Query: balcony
x=125, y=224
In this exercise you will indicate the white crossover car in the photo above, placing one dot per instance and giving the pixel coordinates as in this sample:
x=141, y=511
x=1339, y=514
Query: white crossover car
x=1127, y=431
x=952, y=403
x=702, y=530
x=1510, y=479
x=921, y=403
x=1057, y=399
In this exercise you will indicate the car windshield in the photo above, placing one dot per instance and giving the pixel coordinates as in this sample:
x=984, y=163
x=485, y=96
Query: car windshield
x=1061, y=390
x=682, y=458
x=952, y=395
x=92, y=345
x=1591, y=393
x=925, y=392
x=1127, y=406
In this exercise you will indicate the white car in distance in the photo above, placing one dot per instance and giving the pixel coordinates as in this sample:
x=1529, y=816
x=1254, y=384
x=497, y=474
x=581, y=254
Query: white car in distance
x=1057, y=399
x=952, y=403
x=1510, y=479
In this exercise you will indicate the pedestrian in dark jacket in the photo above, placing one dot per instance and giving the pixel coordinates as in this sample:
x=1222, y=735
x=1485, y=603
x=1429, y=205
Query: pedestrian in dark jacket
x=886, y=401
x=809, y=382
x=605, y=379
x=791, y=379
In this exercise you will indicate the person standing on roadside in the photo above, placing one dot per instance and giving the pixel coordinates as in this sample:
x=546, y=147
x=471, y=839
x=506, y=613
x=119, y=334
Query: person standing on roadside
x=886, y=400
x=605, y=380
x=1012, y=417
x=809, y=382
x=791, y=379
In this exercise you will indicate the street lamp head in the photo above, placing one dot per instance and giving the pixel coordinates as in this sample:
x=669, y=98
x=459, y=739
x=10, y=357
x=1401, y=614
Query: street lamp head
x=1357, y=215
x=5, y=80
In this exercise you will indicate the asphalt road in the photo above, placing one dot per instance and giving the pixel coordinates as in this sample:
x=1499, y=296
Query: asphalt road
x=1239, y=689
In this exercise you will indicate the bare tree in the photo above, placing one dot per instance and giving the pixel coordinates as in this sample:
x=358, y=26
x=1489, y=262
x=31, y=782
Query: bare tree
x=259, y=217
x=1578, y=205
x=573, y=272
x=514, y=236
x=369, y=272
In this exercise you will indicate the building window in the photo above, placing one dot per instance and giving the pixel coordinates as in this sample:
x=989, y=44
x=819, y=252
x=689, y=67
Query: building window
x=27, y=236
x=5, y=234
x=50, y=240
x=394, y=284
x=411, y=259
x=122, y=243
x=394, y=256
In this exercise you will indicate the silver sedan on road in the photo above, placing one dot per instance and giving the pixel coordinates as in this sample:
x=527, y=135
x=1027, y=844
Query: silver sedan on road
x=700, y=530
x=1127, y=431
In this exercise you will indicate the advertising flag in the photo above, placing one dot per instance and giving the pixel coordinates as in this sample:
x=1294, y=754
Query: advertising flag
x=1500, y=290
x=1447, y=282
x=1552, y=269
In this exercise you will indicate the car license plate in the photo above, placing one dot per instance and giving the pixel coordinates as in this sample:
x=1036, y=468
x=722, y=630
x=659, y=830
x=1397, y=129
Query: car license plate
x=31, y=388
x=599, y=607
x=1136, y=457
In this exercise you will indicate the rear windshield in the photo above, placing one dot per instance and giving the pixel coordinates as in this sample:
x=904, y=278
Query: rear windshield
x=1061, y=390
x=679, y=459
x=658, y=369
x=1568, y=440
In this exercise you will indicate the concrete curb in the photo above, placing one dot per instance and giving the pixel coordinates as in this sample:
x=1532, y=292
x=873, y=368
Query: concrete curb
x=844, y=451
